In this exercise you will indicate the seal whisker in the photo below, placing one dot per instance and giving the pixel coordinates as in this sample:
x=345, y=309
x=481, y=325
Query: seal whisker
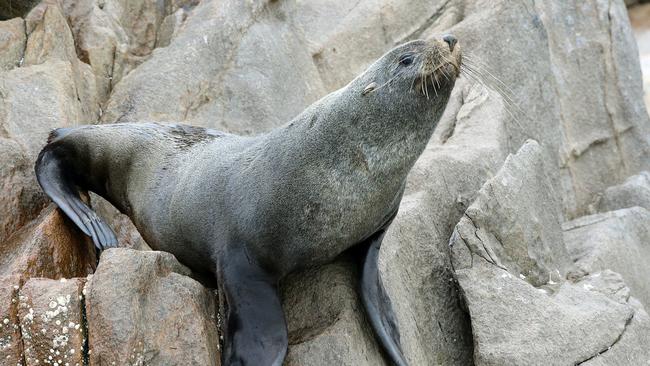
x=496, y=88
x=500, y=86
x=507, y=104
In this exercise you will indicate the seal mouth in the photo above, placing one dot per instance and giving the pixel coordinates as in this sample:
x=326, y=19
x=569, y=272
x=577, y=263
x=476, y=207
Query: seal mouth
x=440, y=67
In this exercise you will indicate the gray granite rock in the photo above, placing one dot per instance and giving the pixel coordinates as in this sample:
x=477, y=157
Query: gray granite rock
x=616, y=240
x=635, y=191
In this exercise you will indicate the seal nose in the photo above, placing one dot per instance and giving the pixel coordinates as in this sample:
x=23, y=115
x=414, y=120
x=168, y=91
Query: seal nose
x=451, y=41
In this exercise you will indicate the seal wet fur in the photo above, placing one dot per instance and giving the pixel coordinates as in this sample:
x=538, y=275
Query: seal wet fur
x=250, y=210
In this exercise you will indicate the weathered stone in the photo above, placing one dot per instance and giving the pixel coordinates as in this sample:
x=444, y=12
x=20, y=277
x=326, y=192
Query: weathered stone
x=12, y=43
x=49, y=246
x=52, y=321
x=616, y=240
x=631, y=346
x=635, y=191
x=11, y=345
x=21, y=199
x=328, y=328
x=515, y=222
x=143, y=309
x=115, y=36
x=509, y=258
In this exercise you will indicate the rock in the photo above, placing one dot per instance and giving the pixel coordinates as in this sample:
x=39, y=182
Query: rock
x=509, y=259
x=21, y=199
x=49, y=246
x=414, y=260
x=11, y=345
x=173, y=320
x=12, y=43
x=126, y=232
x=514, y=223
x=230, y=46
x=52, y=321
x=16, y=8
x=616, y=240
x=631, y=346
x=328, y=328
x=115, y=36
x=635, y=191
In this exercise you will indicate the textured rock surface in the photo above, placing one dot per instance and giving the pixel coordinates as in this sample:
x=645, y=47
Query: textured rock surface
x=570, y=79
x=512, y=277
x=48, y=246
x=52, y=321
x=617, y=240
x=11, y=345
x=635, y=191
x=173, y=319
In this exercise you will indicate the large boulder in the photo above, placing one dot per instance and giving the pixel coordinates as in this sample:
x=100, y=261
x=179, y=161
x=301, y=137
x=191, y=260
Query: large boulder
x=510, y=260
x=143, y=309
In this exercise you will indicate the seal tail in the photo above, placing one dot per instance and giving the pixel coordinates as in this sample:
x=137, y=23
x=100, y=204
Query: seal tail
x=378, y=305
x=55, y=175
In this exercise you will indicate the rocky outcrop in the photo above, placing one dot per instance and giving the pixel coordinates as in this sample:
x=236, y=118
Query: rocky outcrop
x=563, y=75
x=511, y=262
x=635, y=191
x=142, y=309
x=616, y=240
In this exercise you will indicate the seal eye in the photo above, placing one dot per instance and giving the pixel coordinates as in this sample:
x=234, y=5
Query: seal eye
x=406, y=59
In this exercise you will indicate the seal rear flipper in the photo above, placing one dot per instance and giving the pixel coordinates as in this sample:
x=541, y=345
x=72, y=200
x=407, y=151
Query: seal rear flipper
x=377, y=303
x=55, y=180
x=255, y=328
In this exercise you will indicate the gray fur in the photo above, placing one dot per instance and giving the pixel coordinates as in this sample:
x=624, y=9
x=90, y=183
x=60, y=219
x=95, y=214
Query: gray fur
x=294, y=197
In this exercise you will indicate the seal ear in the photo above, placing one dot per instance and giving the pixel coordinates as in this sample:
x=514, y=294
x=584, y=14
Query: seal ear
x=372, y=86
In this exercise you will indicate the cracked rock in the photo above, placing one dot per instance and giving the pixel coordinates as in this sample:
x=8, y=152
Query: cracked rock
x=617, y=240
x=635, y=191
x=510, y=261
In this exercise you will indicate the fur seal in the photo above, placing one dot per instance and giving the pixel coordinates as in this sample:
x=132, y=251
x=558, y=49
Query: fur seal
x=250, y=210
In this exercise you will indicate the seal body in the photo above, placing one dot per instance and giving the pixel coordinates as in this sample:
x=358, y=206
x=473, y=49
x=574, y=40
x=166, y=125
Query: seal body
x=250, y=210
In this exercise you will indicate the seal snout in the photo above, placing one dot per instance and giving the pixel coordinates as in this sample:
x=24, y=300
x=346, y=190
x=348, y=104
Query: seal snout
x=450, y=40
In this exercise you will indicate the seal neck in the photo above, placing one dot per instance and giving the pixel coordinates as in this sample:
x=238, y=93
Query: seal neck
x=382, y=140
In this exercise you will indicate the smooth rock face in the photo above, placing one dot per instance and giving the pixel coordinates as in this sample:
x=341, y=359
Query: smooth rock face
x=635, y=191
x=142, y=309
x=616, y=240
x=52, y=321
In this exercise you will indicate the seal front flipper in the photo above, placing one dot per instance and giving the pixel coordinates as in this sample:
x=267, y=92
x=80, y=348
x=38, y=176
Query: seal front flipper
x=55, y=177
x=255, y=328
x=377, y=303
